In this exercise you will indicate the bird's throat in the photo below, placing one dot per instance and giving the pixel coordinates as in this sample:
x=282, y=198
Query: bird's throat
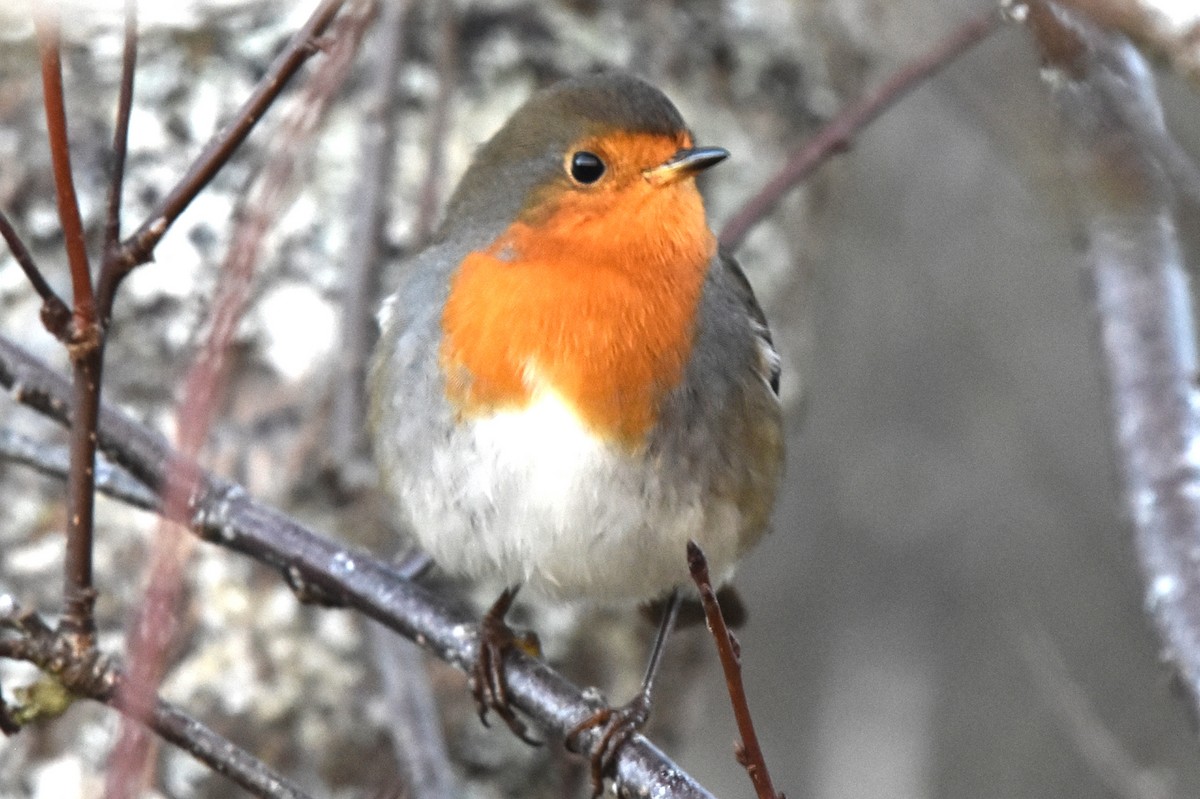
x=595, y=301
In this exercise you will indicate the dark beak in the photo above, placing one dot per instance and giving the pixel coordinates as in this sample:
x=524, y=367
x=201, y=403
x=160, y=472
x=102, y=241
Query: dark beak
x=686, y=163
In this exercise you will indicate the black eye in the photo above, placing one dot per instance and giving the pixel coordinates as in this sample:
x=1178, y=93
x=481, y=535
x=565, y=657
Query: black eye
x=586, y=167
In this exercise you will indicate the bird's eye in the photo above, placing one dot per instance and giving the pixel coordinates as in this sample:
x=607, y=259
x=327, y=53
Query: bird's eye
x=586, y=167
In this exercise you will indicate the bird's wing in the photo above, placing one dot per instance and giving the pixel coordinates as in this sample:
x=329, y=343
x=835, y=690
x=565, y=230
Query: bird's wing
x=769, y=361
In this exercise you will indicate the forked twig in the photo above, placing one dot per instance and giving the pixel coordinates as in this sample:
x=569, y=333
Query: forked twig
x=90, y=675
x=139, y=247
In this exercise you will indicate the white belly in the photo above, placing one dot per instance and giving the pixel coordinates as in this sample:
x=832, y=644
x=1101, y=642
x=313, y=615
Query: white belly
x=530, y=497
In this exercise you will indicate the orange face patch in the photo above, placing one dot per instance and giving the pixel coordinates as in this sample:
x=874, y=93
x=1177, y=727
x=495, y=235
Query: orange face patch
x=591, y=294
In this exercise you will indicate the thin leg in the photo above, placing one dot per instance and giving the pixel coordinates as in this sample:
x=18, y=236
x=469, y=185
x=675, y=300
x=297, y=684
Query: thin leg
x=488, y=683
x=618, y=724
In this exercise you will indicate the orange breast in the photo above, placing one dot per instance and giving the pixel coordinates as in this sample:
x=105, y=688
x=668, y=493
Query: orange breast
x=593, y=296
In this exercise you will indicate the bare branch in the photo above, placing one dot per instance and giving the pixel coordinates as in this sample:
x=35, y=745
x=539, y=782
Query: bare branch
x=139, y=247
x=112, y=223
x=54, y=461
x=836, y=136
x=320, y=569
x=1144, y=318
x=204, y=386
x=749, y=753
x=47, y=24
x=91, y=675
x=56, y=316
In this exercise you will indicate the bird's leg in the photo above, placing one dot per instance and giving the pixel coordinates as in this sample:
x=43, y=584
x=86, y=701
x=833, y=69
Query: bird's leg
x=488, y=681
x=618, y=724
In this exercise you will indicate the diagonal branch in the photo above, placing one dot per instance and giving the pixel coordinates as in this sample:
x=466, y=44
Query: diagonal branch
x=319, y=569
x=56, y=316
x=139, y=247
x=835, y=137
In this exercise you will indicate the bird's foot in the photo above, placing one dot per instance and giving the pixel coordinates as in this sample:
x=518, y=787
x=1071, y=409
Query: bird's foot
x=615, y=726
x=489, y=684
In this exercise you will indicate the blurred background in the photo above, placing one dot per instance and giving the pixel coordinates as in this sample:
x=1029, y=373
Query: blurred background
x=949, y=605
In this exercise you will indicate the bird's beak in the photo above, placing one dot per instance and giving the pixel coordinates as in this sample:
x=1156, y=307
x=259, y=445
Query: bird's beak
x=685, y=163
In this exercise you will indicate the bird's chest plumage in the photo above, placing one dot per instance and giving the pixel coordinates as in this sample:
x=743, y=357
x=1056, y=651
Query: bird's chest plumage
x=533, y=497
x=584, y=307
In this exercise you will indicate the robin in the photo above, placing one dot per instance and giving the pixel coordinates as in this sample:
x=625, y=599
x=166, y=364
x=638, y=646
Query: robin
x=574, y=381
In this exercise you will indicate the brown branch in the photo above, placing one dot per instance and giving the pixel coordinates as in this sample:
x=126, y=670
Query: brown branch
x=85, y=346
x=139, y=247
x=836, y=136
x=47, y=24
x=222, y=513
x=92, y=676
x=748, y=752
x=56, y=316
x=112, y=224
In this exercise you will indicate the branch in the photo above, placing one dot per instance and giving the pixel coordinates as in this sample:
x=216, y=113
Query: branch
x=54, y=461
x=85, y=345
x=321, y=570
x=204, y=387
x=139, y=247
x=46, y=21
x=836, y=136
x=749, y=754
x=112, y=223
x=1143, y=309
x=92, y=676
x=56, y=316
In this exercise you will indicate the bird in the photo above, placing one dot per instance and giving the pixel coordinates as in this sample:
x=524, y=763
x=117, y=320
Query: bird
x=574, y=381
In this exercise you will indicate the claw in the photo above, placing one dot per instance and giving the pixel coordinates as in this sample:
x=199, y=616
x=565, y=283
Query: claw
x=488, y=683
x=616, y=725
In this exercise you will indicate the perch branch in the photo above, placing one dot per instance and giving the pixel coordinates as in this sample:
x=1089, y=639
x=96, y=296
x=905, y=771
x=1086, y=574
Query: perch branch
x=319, y=569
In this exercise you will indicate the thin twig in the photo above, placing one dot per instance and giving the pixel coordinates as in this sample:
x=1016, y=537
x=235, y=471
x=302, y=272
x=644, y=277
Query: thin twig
x=56, y=316
x=836, y=136
x=112, y=223
x=138, y=248
x=748, y=752
x=224, y=514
